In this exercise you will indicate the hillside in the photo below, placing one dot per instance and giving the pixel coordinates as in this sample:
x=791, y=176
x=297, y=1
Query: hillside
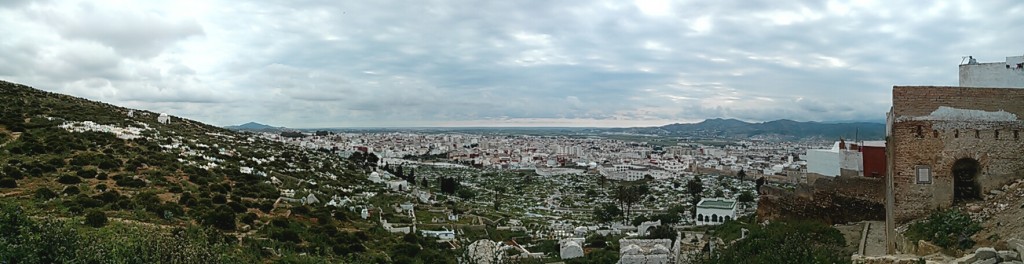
x=782, y=129
x=183, y=191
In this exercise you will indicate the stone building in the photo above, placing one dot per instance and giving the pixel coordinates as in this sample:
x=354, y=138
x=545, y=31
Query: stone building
x=952, y=144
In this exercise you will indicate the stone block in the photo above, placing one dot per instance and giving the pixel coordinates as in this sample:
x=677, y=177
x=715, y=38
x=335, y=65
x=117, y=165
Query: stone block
x=987, y=261
x=967, y=259
x=986, y=253
x=1008, y=255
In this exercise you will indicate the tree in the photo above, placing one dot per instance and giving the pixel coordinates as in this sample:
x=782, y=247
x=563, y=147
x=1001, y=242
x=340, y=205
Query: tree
x=628, y=195
x=694, y=187
x=606, y=213
x=719, y=193
x=746, y=197
x=742, y=174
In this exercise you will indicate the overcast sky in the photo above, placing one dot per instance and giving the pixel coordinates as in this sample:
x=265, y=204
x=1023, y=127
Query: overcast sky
x=322, y=63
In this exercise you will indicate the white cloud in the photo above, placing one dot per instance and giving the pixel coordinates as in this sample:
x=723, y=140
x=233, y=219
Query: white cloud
x=381, y=63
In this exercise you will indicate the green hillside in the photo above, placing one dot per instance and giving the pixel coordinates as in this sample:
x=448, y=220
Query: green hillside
x=84, y=181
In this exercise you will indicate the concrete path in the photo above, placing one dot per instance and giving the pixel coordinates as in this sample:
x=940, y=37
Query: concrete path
x=874, y=244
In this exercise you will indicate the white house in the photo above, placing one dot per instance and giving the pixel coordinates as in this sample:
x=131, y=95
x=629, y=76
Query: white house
x=440, y=235
x=715, y=211
x=163, y=118
x=994, y=74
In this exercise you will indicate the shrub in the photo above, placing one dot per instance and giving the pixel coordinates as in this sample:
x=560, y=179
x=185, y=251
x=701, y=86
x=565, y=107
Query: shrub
x=44, y=194
x=221, y=218
x=784, y=242
x=101, y=187
x=71, y=190
x=95, y=218
x=8, y=183
x=101, y=176
x=219, y=199
x=69, y=179
x=951, y=229
x=86, y=173
x=130, y=182
x=175, y=189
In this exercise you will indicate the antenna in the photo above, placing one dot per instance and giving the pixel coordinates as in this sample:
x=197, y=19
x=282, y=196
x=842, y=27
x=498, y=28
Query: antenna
x=962, y=59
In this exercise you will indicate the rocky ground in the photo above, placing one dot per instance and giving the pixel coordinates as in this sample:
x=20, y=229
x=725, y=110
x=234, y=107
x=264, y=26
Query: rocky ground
x=1001, y=214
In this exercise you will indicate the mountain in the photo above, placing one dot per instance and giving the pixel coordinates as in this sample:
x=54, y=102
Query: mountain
x=93, y=182
x=257, y=127
x=782, y=129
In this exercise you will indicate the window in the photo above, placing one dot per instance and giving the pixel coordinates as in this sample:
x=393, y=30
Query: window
x=919, y=133
x=1016, y=134
x=977, y=133
x=935, y=133
x=997, y=134
x=956, y=133
x=700, y=218
x=714, y=218
x=924, y=174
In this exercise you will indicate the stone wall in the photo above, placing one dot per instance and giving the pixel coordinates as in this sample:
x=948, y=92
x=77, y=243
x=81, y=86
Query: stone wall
x=983, y=125
x=830, y=200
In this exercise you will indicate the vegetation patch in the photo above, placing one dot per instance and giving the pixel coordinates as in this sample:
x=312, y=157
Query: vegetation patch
x=950, y=229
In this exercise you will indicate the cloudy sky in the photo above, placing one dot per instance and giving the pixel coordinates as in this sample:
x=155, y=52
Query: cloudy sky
x=323, y=63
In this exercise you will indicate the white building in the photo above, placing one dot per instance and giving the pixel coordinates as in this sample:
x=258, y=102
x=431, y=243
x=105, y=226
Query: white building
x=440, y=235
x=1008, y=74
x=163, y=118
x=570, y=248
x=715, y=211
x=843, y=156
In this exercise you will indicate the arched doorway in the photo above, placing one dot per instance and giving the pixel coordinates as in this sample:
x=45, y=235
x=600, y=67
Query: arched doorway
x=965, y=175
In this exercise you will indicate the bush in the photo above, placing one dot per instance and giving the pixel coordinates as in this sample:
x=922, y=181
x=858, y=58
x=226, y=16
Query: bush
x=219, y=199
x=71, y=190
x=8, y=183
x=69, y=179
x=222, y=218
x=95, y=218
x=784, y=242
x=951, y=229
x=86, y=173
x=44, y=194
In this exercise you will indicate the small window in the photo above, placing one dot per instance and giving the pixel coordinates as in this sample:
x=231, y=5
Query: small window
x=977, y=133
x=935, y=133
x=924, y=174
x=920, y=134
x=1016, y=134
x=956, y=133
x=997, y=134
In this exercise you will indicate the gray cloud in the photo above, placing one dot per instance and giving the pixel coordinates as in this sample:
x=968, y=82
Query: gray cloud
x=389, y=63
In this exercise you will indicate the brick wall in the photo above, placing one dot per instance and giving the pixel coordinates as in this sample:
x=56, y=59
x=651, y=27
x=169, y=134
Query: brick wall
x=829, y=200
x=941, y=143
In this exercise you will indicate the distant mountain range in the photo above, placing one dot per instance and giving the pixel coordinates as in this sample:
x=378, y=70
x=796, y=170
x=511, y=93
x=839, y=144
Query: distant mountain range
x=257, y=127
x=782, y=129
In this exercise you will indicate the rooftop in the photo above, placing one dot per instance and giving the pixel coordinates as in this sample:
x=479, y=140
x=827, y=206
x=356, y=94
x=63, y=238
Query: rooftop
x=717, y=203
